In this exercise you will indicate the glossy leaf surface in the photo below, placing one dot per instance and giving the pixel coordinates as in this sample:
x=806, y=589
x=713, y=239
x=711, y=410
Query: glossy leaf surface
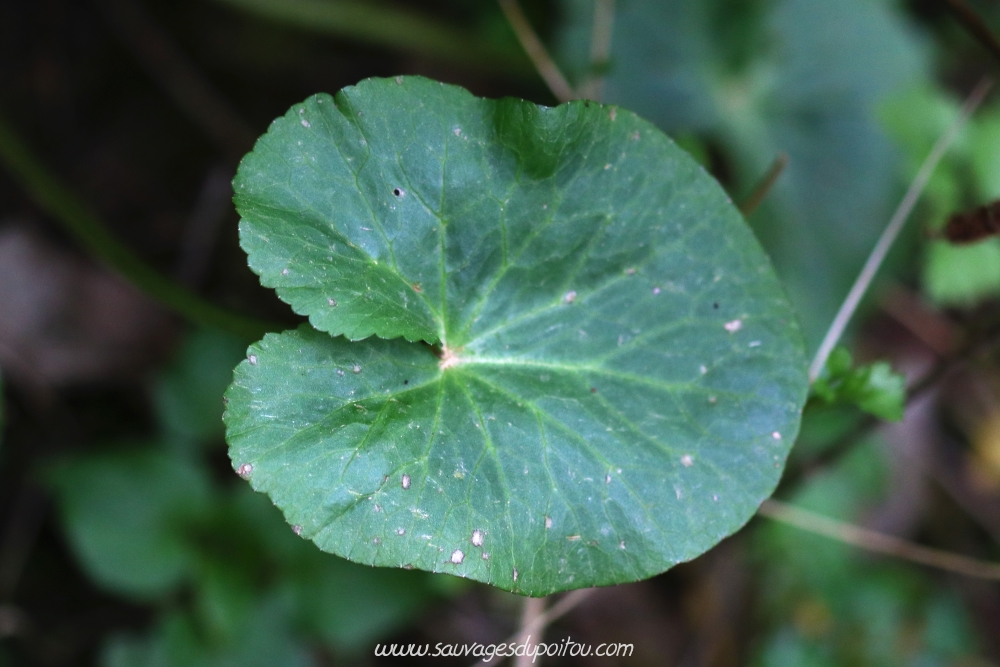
x=616, y=376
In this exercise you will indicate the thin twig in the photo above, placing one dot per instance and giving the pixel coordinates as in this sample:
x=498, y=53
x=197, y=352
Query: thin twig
x=77, y=219
x=565, y=605
x=893, y=228
x=975, y=25
x=532, y=610
x=178, y=76
x=533, y=46
x=600, y=47
x=878, y=542
x=760, y=192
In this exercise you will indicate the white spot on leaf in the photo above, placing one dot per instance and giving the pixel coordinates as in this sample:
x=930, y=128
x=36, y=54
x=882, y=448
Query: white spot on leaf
x=406, y=481
x=734, y=326
x=687, y=461
x=457, y=556
x=478, y=537
x=245, y=470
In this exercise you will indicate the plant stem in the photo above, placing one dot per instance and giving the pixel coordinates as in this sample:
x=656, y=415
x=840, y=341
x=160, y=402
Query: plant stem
x=77, y=219
x=600, y=46
x=565, y=605
x=760, y=192
x=878, y=542
x=533, y=46
x=975, y=25
x=892, y=230
x=533, y=609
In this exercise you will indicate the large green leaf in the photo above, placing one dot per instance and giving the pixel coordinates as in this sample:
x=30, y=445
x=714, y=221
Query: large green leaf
x=617, y=377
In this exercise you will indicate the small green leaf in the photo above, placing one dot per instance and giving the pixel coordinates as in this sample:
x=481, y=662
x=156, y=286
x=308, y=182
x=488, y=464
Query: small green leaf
x=189, y=393
x=125, y=514
x=617, y=378
x=874, y=388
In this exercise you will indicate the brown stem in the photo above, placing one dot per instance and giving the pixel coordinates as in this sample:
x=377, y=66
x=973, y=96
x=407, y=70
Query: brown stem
x=533, y=46
x=975, y=25
x=879, y=542
x=760, y=192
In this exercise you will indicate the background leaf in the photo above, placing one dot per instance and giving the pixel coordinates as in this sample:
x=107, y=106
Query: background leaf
x=135, y=547
x=757, y=78
x=188, y=394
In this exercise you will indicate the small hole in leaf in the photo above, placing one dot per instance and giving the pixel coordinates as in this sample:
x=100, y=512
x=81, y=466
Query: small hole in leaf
x=398, y=193
x=715, y=305
x=406, y=382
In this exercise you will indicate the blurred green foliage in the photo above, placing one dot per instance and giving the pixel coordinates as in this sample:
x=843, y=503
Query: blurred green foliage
x=825, y=603
x=874, y=388
x=953, y=275
x=761, y=77
x=188, y=395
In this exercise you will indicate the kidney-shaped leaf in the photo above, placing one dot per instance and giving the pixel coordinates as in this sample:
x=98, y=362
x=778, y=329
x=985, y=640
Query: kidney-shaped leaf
x=616, y=376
